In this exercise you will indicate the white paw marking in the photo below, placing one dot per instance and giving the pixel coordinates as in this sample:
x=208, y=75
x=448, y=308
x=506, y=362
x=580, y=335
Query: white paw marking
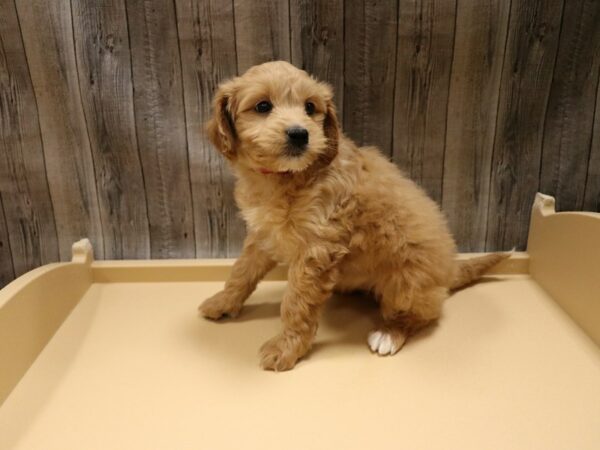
x=383, y=343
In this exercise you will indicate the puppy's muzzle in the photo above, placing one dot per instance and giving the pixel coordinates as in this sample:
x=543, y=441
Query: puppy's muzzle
x=297, y=140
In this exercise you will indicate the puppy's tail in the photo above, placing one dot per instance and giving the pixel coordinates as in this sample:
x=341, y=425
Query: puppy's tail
x=471, y=269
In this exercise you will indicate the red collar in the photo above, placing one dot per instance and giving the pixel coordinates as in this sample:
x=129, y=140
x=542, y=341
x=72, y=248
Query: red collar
x=265, y=171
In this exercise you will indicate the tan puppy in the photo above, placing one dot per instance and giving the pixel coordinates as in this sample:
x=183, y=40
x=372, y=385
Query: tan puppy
x=342, y=217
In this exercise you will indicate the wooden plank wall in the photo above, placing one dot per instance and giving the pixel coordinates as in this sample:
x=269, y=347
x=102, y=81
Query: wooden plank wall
x=102, y=104
x=104, y=71
x=29, y=222
x=47, y=32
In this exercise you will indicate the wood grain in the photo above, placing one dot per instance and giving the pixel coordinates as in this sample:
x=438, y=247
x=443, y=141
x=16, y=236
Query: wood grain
x=425, y=48
x=370, y=67
x=160, y=125
x=48, y=39
x=570, y=114
x=528, y=64
x=592, y=186
x=102, y=105
x=104, y=68
x=472, y=104
x=262, y=32
x=23, y=182
x=317, y=36
x=7, y=272
x=207, y=40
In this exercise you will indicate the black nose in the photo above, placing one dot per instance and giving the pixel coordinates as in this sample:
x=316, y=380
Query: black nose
x=297, y=136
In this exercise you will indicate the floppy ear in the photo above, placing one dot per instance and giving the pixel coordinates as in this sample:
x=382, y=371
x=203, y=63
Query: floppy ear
x=221, y=128
x=331, y=128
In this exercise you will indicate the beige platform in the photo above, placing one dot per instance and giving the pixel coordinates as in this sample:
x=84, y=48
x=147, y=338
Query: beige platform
x=112, y=355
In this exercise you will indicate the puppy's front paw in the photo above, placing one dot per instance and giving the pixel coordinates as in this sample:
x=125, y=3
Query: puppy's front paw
x=220, y=305
x=281, y=352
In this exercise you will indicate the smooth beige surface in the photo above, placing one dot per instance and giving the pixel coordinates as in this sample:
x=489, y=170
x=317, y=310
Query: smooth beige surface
x=133, y=367
x=565, y=260
x=33, y=307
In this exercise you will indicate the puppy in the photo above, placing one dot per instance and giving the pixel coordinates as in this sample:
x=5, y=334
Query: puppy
x=343, y=218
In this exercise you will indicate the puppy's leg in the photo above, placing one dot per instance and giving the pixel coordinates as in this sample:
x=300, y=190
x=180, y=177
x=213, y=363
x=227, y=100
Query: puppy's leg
x=310, y=284
x=406, y=308
x=248, y=270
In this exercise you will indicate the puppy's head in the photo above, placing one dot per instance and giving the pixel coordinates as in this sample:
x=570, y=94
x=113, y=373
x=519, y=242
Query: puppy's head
x=275, y=119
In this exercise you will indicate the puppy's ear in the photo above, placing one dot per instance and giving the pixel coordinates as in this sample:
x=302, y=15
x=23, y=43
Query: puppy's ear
x=221, y=127
x=331, y=128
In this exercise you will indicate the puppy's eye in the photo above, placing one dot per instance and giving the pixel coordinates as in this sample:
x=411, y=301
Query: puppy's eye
x=263, y=107
x=309, y=107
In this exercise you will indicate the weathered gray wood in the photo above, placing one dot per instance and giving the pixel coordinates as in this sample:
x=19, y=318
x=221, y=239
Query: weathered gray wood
x=7, y=272
x=23, y=182
x=472, y=104
x=370, y=67
x=48, y=38
x=317, y=36
x=262, y=32
x=524, y=90
x=479, y=130
x=425, y=48
x=207, y=41
x=570, y=113
x=104, y=68
x=592, y=187
x=160, y=124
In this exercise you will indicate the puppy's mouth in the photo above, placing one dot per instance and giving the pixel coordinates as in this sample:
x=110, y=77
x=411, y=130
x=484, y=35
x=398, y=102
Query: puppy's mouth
x=295, y=151
x=288, y=159
x=290, y=167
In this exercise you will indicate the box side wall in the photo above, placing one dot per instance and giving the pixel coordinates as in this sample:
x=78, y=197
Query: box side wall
x=219, y=269
x=564, y=250
x=32, y=308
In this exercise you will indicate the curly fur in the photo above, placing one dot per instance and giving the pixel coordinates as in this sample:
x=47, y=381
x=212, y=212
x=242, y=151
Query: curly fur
x=343, y=218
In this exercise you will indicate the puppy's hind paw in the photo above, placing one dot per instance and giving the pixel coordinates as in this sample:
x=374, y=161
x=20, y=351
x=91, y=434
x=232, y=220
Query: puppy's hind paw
x=386, y=342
